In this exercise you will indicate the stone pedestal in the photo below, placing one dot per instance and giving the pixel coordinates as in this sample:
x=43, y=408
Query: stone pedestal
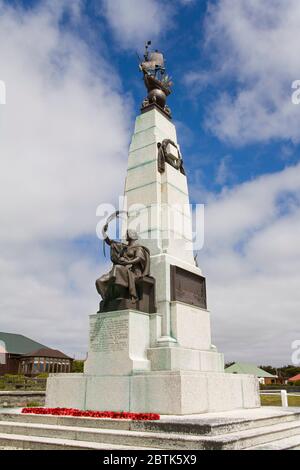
x=128, y=370
x=118, y=343
x=165, y=392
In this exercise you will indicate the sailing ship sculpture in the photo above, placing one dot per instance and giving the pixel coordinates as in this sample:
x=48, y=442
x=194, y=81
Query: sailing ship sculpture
x=157, y=81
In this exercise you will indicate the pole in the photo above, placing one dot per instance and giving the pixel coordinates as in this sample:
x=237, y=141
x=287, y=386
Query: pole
x=284, y=399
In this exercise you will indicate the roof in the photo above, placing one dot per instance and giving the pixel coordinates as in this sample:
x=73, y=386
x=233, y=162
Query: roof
x=47, y=352
x=295, y=378
x=19, y=344
x=244, y=368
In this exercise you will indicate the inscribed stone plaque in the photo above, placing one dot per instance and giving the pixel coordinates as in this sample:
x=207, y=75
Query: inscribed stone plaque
x=109, y=334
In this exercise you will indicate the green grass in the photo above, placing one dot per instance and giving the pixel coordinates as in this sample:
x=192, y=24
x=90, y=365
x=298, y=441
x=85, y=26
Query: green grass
x=275, y=400
x=33, y=404
x=19, y=382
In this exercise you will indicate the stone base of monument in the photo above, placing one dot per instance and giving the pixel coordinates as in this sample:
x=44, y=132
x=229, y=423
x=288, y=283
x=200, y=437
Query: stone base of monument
x=128, y=369
x=168, y=393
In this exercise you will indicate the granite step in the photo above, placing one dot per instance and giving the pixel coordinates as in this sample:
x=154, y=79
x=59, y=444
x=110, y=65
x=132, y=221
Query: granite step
x=289, y=443
x=217, y=424
x=134, y=439
x=98, y=423
x=255, y=437
x=9, y=448
x=20, y=442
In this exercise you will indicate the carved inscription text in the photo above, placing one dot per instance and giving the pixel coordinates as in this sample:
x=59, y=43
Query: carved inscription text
x=109, y=334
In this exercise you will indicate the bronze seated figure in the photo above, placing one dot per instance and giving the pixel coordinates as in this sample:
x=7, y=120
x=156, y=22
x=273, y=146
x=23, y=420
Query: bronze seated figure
x=128, y=284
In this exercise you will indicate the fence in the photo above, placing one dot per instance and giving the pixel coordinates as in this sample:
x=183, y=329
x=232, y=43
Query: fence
x=288, y=387
x=283, y=396
x=15, y=382
x=22, y=398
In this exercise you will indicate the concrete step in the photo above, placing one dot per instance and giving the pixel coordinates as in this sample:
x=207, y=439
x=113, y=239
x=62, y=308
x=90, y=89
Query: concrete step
x=255, y=437
x=134, y=439
x=97, y=423
x=9, y=448
x=191, y=425
x=289, y=443
x=20, y=442
x=217, y=425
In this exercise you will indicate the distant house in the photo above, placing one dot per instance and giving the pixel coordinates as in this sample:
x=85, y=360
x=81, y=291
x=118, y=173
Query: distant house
x=22, y=355
x=296, y=378
x=264, y=377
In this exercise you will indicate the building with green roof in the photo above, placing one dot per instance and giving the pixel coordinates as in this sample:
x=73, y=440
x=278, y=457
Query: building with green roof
x=19, y=354
x=251, y=369
x=19, y=344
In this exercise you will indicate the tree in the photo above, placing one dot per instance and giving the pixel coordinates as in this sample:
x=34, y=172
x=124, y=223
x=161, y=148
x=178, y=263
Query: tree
x=77, y=367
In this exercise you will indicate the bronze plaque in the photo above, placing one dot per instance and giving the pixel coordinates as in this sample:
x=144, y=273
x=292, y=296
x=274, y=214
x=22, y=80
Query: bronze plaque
x=188, y=287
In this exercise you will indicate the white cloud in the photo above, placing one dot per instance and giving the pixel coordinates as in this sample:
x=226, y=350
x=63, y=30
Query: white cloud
x=63, y=146
x=251, y=258
x=253, y=46
x=224, y=173
x=135, y=21
x=252, y=205
x=69, y=117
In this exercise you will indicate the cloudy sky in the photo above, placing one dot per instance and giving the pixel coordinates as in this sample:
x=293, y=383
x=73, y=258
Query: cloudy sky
x=73, y=91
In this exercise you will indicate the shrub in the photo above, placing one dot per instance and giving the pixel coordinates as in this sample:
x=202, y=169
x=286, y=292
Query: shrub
x=33, y=404
x=14, y=379
x=77, y=367
x=43, y=375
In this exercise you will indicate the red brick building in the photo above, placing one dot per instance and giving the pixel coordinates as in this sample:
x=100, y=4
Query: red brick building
x=22, y=355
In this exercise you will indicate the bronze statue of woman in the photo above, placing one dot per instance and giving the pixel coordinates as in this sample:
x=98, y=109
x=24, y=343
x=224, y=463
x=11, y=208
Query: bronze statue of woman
x=131, y=262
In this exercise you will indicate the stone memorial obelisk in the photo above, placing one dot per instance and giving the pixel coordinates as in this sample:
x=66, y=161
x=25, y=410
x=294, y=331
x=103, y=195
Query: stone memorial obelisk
x=150, y=344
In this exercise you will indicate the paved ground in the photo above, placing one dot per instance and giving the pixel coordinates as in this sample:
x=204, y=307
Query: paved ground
x=10, y=410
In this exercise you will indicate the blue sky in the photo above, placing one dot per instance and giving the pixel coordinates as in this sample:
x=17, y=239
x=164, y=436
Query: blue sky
x=73, y=91
x=184, y=46
x=185, y=49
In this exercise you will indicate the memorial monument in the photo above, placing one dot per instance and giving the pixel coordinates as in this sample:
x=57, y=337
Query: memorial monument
x=150, y=344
